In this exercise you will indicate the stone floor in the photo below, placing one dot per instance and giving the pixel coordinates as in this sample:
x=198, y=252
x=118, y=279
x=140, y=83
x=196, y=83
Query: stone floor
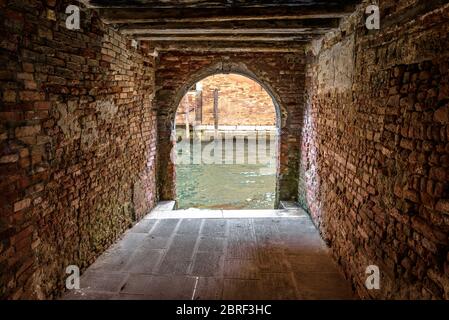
x=269, y=254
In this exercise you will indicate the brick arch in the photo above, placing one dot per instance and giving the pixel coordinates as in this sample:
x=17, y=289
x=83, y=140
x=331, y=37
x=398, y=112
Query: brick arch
x=176, y=73
x=229, y=68
x=239, y=69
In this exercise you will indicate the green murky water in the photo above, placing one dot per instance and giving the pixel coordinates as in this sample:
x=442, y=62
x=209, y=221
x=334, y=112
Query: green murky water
x=235, y=173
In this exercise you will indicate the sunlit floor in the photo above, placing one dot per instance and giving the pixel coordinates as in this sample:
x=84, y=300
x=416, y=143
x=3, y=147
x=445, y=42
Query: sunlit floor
x=270, y=254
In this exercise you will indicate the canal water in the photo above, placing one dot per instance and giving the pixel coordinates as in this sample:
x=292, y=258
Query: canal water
x=228, y=171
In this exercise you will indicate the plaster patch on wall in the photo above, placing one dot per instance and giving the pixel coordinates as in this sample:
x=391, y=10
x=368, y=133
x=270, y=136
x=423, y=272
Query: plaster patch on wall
x=339, y=71
x=315, y=46
x=68, y=120
x=89, y=132
x=106, y=109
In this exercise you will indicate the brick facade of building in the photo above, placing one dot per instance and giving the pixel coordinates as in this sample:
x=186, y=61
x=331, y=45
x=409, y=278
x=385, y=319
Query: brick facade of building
x=241, y=102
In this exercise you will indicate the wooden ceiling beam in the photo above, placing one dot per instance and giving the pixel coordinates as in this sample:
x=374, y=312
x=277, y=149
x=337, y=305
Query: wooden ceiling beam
x=175, y=4
x=136, y=15
x=231, y=34
x=226, y=38
x=215, y=46
x=192, y=32
x=234, y=27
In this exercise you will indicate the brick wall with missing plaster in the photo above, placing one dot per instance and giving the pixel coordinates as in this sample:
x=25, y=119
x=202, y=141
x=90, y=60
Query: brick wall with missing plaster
x=77, y=143
x=242, y=101
x=375, y=149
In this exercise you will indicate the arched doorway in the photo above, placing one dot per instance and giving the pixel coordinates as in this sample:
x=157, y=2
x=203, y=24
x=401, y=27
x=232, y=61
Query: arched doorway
x=278, y=85
x=227, y=144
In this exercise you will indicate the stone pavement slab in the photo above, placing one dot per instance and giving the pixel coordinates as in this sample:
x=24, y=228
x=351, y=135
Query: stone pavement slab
x=257, y=256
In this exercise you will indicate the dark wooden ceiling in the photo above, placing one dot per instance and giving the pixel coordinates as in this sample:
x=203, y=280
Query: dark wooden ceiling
x=233, y=25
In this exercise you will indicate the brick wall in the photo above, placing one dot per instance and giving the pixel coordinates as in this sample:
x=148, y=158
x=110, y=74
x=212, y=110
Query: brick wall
x=77, y=143
x=281, y=74
x=241, y=101
x=189, y=102
x=375, y=152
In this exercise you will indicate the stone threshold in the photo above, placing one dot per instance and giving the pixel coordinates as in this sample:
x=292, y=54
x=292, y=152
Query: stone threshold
x=166, y=210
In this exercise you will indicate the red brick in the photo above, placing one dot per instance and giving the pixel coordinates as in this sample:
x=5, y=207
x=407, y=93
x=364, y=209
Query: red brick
x=31, y=95
x=22, y=204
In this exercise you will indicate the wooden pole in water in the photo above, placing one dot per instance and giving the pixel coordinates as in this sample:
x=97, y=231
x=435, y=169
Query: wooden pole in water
x=186, y=110
x=199, y=107
x=216, y=111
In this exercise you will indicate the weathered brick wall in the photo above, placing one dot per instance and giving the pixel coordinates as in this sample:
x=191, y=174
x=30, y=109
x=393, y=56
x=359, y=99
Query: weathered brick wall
x=77, y=143
x=375, y=150
x=241, y=101
x=281, y=74
x=189, y=102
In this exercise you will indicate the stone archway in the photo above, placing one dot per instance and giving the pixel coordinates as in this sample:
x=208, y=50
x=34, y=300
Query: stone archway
x=253, y=145
x=231, y=68
x=169, y=97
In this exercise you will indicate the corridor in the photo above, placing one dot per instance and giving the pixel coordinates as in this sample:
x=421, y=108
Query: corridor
x=270, y=254
x=232, y=107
